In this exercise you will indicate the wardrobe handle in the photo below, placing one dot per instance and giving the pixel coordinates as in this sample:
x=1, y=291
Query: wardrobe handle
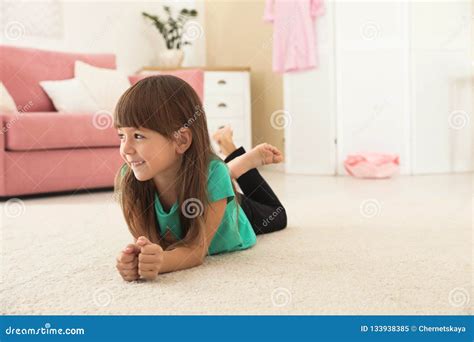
x=222, y=105
x=221, y=82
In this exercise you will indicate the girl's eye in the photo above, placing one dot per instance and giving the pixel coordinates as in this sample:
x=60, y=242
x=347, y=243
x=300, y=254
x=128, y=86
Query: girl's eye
x=138, y=136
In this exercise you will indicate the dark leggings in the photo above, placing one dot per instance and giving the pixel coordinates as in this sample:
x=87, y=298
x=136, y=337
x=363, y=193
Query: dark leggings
x=258, y=201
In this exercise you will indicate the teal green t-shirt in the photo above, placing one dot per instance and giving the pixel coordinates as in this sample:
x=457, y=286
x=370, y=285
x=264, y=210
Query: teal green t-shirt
x=235, y=231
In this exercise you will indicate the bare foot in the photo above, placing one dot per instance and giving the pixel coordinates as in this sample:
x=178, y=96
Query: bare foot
x=223, y=137
x=262, y=154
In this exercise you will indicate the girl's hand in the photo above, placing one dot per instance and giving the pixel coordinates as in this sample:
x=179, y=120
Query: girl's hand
x=127, y=262
x=150, y=258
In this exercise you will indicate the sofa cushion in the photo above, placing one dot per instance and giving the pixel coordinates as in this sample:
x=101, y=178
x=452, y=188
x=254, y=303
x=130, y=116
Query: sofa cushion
x=70, y=96
x=21, y=70
x=53, y=130
x=105, y=85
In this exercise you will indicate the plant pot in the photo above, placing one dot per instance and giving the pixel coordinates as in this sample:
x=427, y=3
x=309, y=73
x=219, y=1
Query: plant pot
x=171, y=58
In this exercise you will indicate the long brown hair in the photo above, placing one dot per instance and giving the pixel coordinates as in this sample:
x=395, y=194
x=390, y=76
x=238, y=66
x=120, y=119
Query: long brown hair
x=166, y=104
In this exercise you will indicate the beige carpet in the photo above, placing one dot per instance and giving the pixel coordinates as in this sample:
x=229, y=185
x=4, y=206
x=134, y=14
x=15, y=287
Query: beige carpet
x=400, y=246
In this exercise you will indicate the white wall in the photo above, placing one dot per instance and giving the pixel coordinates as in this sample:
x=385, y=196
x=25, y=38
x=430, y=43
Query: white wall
x=441, y=86
x=97, y=26
x=395, y=77
x=372, y=81
x=309, y=98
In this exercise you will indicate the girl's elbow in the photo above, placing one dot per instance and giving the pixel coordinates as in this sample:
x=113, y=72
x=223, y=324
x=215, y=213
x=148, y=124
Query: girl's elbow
x=200, y=261
x=199, y=257
x=203, y=257
x=197, y=261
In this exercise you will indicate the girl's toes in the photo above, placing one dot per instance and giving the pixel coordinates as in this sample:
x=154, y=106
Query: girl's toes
x=277, y=158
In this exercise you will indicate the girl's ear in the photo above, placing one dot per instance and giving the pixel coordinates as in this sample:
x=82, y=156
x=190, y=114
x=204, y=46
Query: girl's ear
x=183, y=139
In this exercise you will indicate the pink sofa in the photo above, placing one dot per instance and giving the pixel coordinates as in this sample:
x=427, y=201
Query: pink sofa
x=42, y=150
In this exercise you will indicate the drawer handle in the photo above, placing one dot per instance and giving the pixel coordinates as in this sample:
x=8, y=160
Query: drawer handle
x=222, y=105
x=221, y=82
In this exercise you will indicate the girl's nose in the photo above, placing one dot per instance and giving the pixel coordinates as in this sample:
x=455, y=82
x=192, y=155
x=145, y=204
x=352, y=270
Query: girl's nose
x=127, y=148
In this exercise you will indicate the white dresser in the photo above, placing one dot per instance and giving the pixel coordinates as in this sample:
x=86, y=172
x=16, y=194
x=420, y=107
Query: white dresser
x=227, y=102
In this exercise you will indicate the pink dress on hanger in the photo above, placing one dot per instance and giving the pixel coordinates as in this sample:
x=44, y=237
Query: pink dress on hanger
x=294, y=36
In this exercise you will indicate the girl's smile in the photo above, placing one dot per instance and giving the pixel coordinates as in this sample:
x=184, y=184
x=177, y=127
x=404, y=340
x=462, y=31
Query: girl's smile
x=137, y=163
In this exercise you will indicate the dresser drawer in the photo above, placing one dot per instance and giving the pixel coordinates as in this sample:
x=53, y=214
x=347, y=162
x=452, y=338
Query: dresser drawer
x=224, y=106
x=216, y=82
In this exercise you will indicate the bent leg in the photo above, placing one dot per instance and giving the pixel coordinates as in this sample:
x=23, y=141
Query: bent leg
x=263, y=218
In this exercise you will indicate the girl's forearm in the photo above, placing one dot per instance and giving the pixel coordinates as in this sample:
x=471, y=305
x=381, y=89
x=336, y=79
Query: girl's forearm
x=180, y=258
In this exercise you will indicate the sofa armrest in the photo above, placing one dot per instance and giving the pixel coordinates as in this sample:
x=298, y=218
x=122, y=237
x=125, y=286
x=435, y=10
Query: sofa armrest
x=6, y=121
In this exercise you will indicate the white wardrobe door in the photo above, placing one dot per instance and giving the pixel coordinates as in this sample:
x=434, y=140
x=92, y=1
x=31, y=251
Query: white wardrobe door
x=309, y=100
x=372, y=79
x=442, y=91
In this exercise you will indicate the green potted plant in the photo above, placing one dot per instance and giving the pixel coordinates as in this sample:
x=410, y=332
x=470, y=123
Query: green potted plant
x=173, y=32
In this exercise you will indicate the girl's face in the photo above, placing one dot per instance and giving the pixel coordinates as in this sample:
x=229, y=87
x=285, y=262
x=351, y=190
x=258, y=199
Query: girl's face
x=147, y=152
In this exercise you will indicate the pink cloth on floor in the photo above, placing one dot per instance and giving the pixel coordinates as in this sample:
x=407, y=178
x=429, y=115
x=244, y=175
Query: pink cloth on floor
x=294, y=33
x=372, y=165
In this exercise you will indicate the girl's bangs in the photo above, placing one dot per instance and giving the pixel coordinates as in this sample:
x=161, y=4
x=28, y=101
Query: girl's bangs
x=134, y=109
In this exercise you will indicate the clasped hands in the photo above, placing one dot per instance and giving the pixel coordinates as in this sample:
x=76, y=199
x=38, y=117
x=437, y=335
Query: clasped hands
x=143, y=258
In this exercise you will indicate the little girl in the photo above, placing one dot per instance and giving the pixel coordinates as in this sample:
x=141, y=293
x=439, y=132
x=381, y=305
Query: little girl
x=177, y=196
